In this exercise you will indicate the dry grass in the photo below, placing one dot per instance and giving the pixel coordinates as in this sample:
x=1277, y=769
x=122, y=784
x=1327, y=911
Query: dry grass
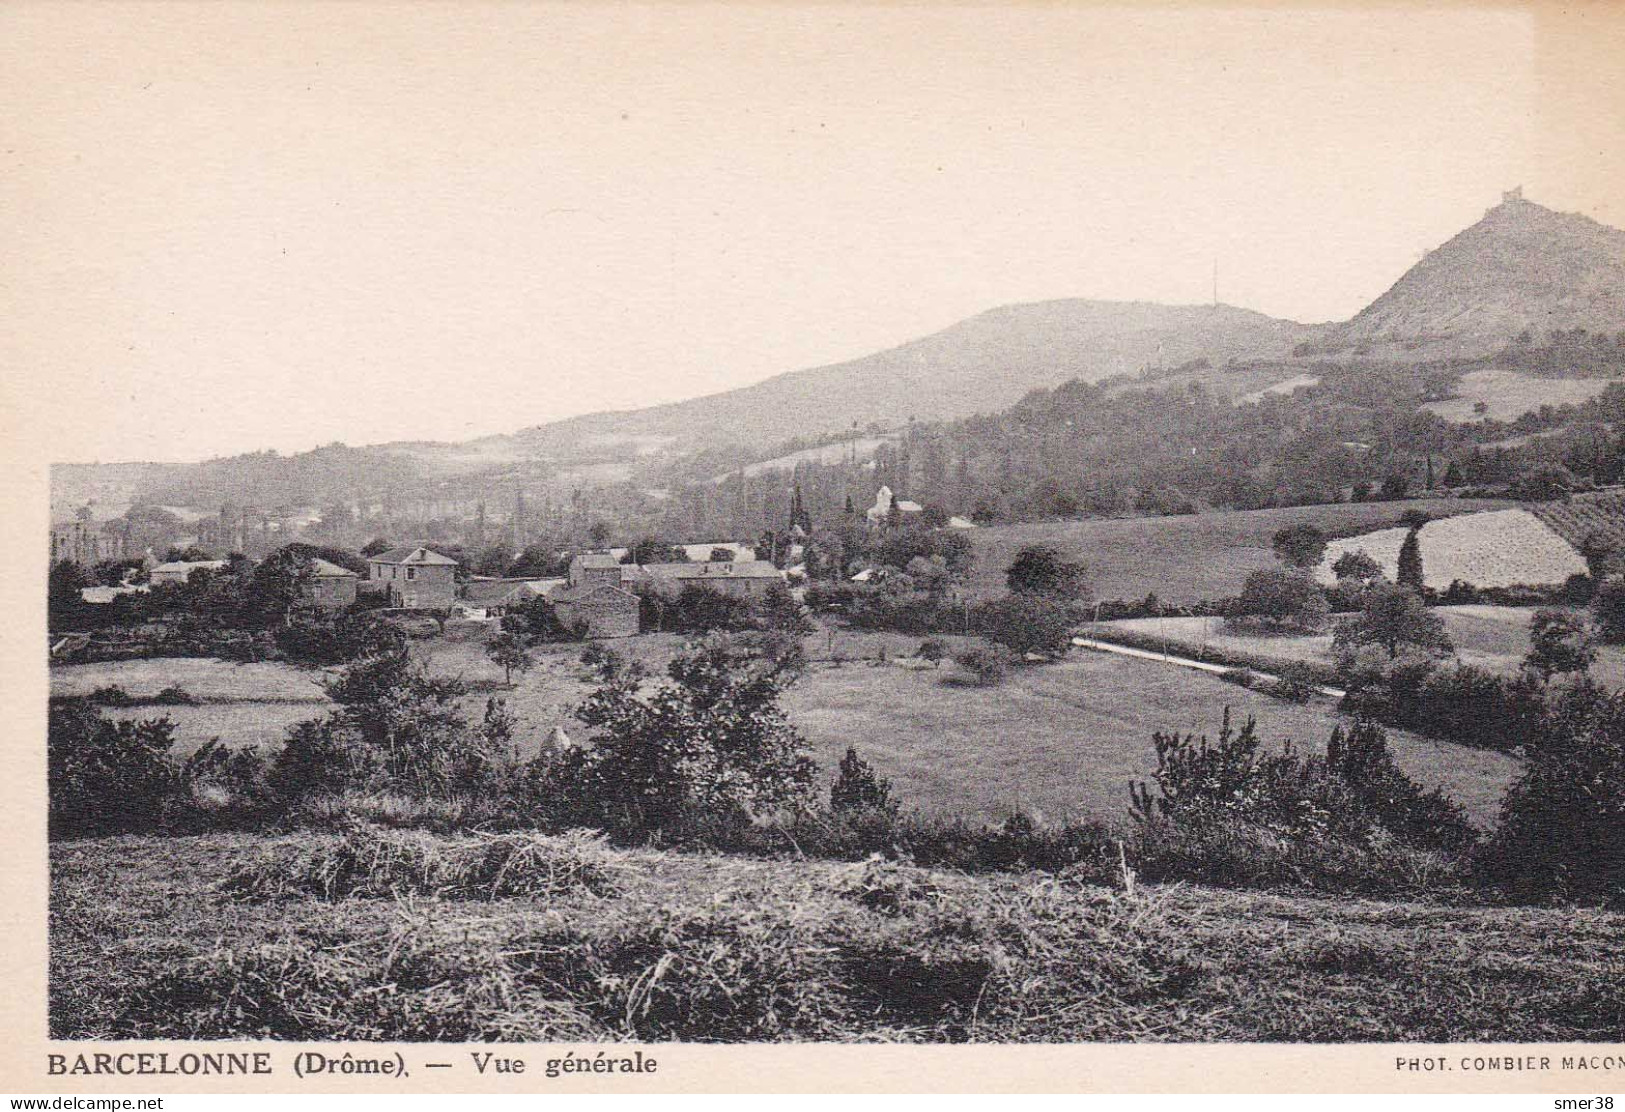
x=691, y=947
x=373, y=863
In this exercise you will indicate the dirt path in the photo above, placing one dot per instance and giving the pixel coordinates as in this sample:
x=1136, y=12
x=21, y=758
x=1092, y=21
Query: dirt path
x=1181, y=661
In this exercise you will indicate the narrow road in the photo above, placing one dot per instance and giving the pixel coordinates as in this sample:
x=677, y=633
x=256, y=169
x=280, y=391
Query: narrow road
x=1181, y=661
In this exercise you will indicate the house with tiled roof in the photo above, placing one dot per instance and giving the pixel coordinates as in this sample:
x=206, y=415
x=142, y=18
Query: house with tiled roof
x=329, y=586
x=416, y=578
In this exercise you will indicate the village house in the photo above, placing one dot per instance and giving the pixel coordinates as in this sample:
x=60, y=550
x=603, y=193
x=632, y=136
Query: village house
x=484, y=599
x=179, y=571
x=416, y=578
x=329, y=587
x=746, y=579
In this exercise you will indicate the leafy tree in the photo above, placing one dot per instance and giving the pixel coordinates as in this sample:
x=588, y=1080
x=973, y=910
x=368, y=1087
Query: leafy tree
x=65, y=604
x=701, y=609
x=651, y=550
x=375, y=547
x=1601, y=554
x=507, y=650
x=1545, y=484
x=188, y=554
x=712, y=740
x=780, y=611
x=492, y=560
x=1357, y=569
x=1282, y=599
x=857, y=787
x=1394, y=487
x=598, y=534
x=539, y=561
x=1041, y=570
x=1410, y=574
x=1608, y=607
x=1559, y=643
x=1299, y=546
x=411, y=722
x=1562, y=828
x=1394, y=617
x=1028, y=623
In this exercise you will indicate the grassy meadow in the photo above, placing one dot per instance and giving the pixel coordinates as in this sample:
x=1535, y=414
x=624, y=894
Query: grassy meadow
x=1057, y=741
x=1188, y=558
x=235, y=936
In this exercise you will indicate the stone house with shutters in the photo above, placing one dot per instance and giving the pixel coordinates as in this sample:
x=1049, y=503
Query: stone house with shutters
x=415, y=577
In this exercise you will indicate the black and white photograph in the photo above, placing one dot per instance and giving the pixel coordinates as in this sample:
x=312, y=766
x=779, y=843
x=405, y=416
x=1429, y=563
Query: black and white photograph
x=622, y=525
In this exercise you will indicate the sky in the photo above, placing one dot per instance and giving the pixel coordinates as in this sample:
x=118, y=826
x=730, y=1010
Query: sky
x=247, y=226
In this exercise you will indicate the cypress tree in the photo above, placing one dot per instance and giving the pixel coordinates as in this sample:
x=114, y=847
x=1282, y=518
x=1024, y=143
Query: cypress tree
x=1410, y=560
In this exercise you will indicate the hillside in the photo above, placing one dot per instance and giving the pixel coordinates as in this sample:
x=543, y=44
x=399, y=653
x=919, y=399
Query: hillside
x=1520, y=267
x=979, y=365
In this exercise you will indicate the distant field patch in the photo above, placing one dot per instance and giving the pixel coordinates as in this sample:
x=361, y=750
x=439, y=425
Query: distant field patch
x=205, y=679
x=1184, y=559
x=1508, y=395
x=1501, y=548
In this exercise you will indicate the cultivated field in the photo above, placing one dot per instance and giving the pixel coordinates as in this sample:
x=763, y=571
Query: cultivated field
x=148, y=939
x=1501, y=548
x=1491, y=637
x=1185, y=559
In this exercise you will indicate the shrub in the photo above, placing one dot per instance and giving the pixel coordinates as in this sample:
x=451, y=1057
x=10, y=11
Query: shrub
x=106, y=776
x=319, y=757
x=1355, y=795
x=986, y=665
x=1241, y=677
x=934, y=650
x=111, y=695
x=227, y=787
x=1295, y=683
x=858, y=787
x=175, y=696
